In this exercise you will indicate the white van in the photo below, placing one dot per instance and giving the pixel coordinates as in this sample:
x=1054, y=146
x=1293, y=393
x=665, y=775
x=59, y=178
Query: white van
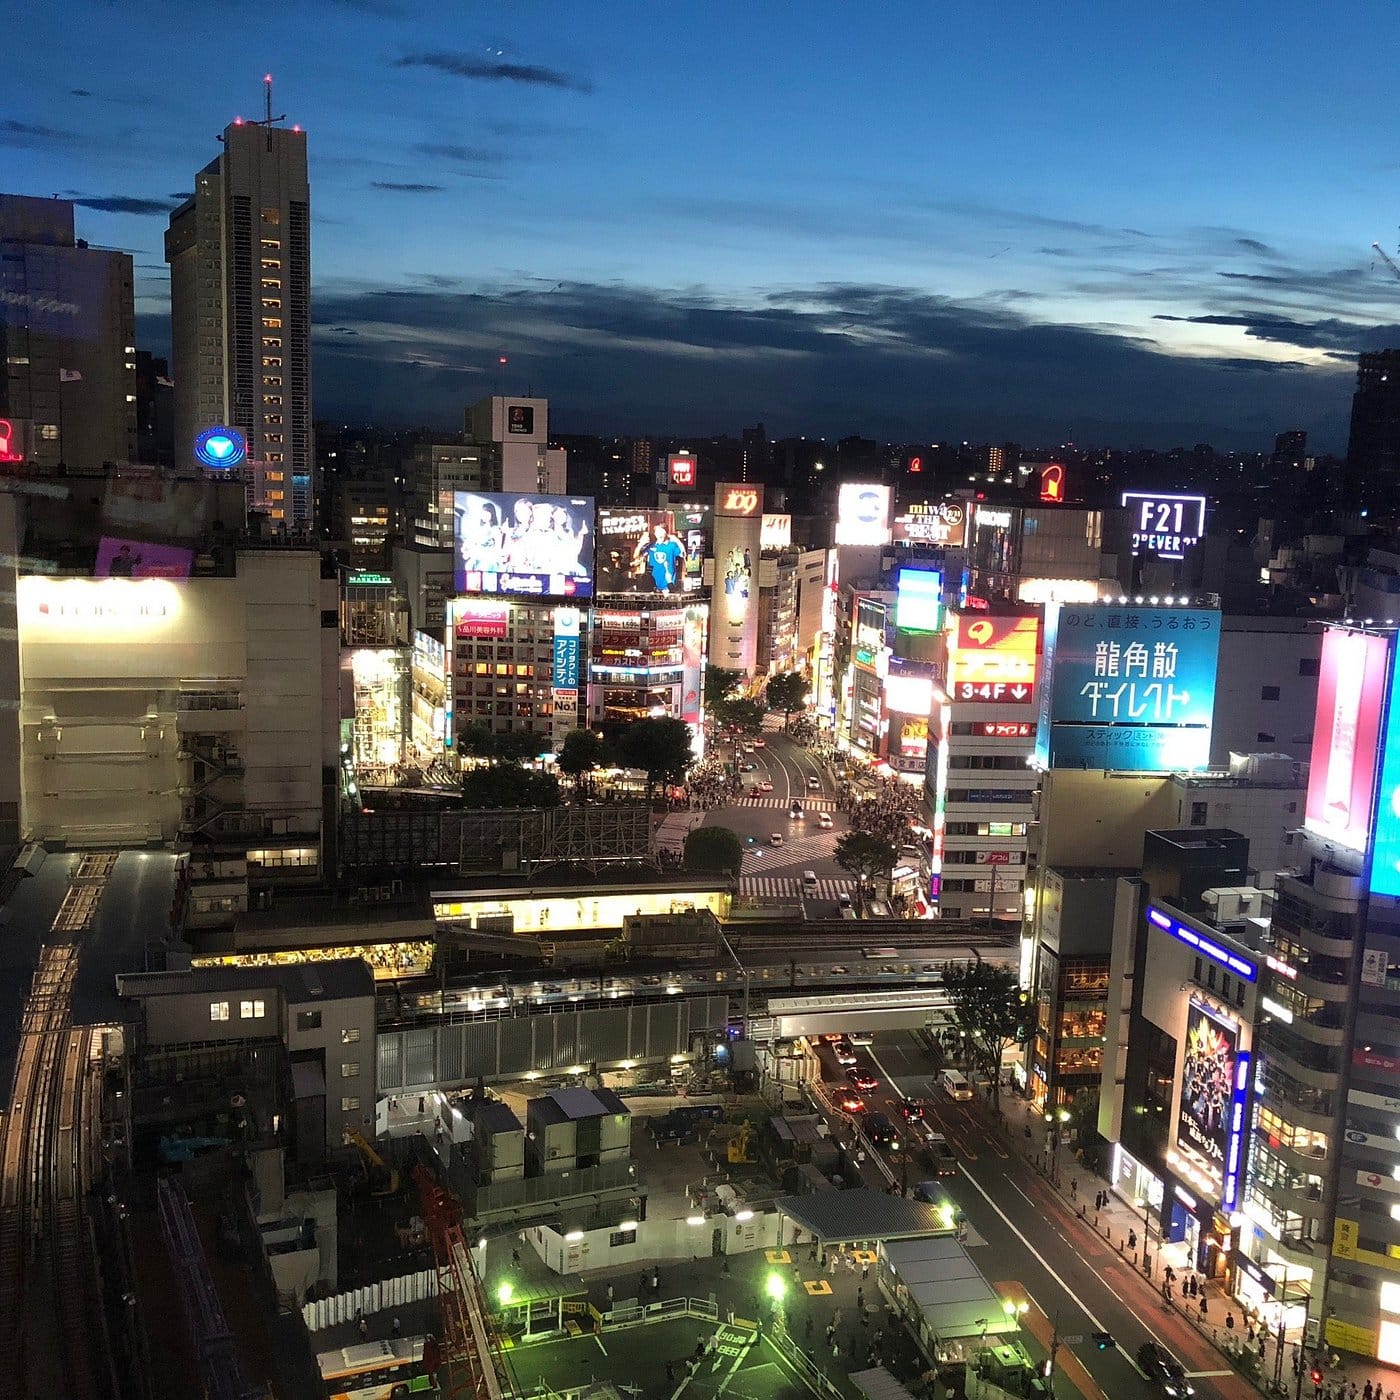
x=955, y=1084
x=809, y=879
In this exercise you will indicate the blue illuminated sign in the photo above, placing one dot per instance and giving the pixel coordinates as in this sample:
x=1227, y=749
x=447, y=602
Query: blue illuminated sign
x=1207, y=947
x=220, y=448
x=918, y=600
x=1385, y=842
x=1129, y=689
x=566, y=651
x=1234, y=1151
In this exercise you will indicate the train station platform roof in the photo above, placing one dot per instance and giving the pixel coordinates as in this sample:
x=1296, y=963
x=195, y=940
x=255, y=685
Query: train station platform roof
x=862, y=1215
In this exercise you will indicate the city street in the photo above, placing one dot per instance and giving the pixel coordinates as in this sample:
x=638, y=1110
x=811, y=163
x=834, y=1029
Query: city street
x=1024, y=1233
x=775, y=872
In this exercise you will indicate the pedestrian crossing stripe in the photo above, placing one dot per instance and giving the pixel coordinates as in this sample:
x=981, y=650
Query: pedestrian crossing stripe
x=793, y=887
x=809, y=804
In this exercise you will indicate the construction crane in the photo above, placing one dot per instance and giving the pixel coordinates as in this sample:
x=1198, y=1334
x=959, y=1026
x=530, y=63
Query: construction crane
x=388, y=1176
x=1386, y=259
x=472, y=1363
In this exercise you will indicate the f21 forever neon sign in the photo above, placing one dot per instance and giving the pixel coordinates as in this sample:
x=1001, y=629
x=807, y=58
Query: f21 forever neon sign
x=1165, y=525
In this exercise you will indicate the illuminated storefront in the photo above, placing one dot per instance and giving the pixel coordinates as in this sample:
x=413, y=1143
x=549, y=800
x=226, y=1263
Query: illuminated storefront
x=387, y=961
x=428, y=679
x=508, y=911
x=380, y=734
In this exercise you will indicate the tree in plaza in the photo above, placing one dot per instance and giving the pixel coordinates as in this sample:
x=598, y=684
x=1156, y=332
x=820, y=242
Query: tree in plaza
x=787, y=692
x=581, y=754
x=713, y=848
x=660, y=747
x=746, y=715
x=514, y=747
x=509, y=785
x=476, y=741
x=865, y=856
x=990, y=1009
x=720, y=684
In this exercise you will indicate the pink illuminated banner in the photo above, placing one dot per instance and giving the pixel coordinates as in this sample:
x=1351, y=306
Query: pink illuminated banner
x=118, y=558
x=1346, y=736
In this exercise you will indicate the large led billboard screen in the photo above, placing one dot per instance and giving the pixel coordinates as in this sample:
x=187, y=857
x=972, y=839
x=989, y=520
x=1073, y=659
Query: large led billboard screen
x=1385, y=843
x=993, y=658
x=1129, y=688
x=931, y=522
x=117, y=558
x=1351, y=691
x=651, y=551
x=918, y=600
x=1207, y=1084
x=515, y=545
x=863, y=514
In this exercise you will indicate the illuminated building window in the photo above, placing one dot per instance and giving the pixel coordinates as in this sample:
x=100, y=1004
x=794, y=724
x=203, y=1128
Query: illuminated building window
x=275, y=456
x=278, y=513
x=272, y=245
x=274, y=476
x=272, y=361
x=218, y=1011
x=271, y=304
x=269, y=399
x=349, y=1104
x=272, y=323
x=272, y=342
x=272, y=284
x=276, y=496
x=270, y=263
x=350, y=1035
x=252, y=1010
x=349, y=1069
x=272, y=381
x=271, y=216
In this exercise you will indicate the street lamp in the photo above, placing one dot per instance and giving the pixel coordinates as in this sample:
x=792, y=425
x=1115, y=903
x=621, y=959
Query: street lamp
x=981, y=1347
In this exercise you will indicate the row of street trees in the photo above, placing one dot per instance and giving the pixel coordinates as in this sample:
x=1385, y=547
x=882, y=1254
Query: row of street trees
x=785, y=694
x=658, y=747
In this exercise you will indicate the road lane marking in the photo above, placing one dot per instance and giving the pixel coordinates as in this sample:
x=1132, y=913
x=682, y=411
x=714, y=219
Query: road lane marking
x=1015, y=1230
x=1040, y=1210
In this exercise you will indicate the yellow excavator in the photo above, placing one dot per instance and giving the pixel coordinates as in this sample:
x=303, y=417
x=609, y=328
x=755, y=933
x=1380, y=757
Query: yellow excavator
x=388, y=1176
x=738, y=1148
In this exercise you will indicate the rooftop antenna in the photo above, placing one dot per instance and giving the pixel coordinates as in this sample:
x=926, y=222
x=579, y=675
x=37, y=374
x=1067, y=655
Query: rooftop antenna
x=268, y=118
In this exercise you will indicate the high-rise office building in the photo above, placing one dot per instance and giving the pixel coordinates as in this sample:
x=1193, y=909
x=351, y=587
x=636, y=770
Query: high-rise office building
x=1373, y=449
x=68, y=342
x=240, y=300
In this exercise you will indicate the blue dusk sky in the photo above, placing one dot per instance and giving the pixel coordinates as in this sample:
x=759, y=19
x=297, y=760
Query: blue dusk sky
x=1112, y=224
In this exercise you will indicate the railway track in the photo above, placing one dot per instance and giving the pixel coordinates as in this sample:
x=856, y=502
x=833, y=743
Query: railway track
x=46, y=1254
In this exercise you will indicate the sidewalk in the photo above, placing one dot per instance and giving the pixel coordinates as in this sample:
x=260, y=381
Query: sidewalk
x=1121, y=1224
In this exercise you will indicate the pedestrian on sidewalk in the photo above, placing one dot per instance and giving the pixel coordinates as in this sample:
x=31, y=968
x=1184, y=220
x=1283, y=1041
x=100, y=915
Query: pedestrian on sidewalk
x=1203, y=1308
x=1074, y=1188
x=1132, y=1239
x=610, y=1297
x=397, y=1330
x=1229, y=1321
x=362, y=1326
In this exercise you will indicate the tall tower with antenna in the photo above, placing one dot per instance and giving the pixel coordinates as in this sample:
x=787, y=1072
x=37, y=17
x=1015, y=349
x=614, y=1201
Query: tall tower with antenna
x=240, y=297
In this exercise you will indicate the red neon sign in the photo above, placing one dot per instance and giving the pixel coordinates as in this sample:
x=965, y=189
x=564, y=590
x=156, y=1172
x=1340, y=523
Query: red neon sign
x=9, y=449
x=1052, y=482
x=682, y=470
x=916, y=464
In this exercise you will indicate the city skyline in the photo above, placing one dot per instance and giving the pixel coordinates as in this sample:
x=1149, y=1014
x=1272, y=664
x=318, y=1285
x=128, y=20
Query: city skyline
x=905, y=227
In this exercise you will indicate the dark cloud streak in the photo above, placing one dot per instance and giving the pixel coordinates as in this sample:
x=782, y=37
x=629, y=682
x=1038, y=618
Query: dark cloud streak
x=848, y=357
x=492, y=71
x=406, y=187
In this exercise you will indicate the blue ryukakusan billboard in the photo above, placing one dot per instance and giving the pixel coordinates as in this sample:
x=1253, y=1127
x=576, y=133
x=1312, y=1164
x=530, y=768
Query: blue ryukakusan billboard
x=1129, y=688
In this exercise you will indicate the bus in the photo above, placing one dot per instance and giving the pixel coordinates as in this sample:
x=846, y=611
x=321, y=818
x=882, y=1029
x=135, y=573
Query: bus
x=374, y=1370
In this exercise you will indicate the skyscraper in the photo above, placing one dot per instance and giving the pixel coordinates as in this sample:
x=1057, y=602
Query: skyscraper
x=67, y=340
x=1373, y=450
x=240, y=300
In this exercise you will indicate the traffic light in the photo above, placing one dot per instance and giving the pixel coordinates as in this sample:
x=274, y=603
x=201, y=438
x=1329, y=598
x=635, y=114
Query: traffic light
x=1103, y=1340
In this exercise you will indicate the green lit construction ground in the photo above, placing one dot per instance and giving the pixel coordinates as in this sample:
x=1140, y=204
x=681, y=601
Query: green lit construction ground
x=738, y=1363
